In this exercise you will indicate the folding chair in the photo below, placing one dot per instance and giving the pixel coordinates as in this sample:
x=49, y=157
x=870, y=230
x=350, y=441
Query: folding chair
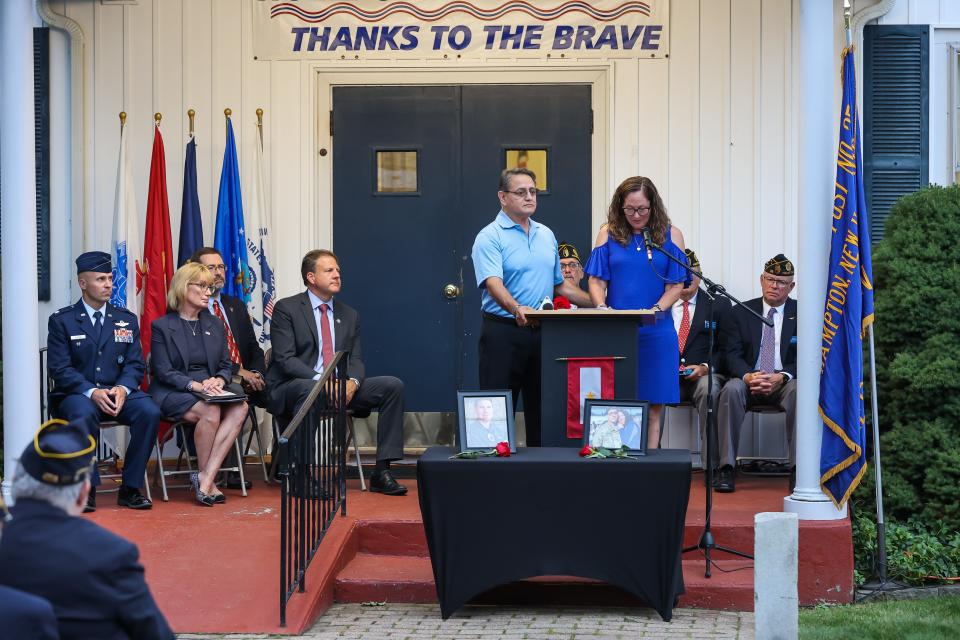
x=255, y=432
x=770, y=454
x=181, y=426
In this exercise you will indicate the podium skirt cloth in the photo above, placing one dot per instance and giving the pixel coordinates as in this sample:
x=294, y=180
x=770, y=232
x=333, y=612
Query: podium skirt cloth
x=633, y=282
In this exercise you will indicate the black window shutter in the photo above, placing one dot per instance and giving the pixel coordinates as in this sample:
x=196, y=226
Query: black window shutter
x=896, y=126
x=41, y=114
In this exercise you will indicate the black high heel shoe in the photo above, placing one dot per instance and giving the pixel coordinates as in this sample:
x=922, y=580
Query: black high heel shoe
x=202, y=498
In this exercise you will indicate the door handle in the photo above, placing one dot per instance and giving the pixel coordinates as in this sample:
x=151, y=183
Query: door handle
x=451, y=291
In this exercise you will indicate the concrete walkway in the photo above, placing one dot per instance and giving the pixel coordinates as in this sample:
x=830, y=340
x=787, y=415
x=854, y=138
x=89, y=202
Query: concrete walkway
x=419, y=621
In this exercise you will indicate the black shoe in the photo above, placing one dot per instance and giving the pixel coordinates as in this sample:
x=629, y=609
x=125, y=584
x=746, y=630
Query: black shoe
x=383, y=482
x=219, y=498
x=725, y=482
x=91, y=501
x=132, y=498
x=233, y=482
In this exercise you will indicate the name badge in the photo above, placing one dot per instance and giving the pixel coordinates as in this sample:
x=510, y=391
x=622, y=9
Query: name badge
x=80, y=337
x=123, y=335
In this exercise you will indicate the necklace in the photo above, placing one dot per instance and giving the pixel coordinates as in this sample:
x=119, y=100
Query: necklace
x=636, y=241
x=192, y=325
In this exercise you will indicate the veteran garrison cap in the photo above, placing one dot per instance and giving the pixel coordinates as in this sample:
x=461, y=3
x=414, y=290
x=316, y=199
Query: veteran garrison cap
x=567, y=250
x=94, y=261
x=779, y=265
x=61, y=453
x=692, y=258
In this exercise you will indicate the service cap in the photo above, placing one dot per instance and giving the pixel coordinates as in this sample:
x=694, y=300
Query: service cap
x=61, y=453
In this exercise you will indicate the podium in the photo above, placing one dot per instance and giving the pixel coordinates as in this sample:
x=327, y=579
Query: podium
x=584, y=333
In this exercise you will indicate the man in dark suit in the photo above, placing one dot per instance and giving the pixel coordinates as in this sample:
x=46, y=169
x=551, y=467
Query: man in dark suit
x=762, y=362
x=91, y=577
x=96, y=363
x=245, y=351
x=691, y=319
x=306, y=330
x=25, y=615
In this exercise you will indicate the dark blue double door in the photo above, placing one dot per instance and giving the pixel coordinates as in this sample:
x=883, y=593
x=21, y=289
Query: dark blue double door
x=415, y=171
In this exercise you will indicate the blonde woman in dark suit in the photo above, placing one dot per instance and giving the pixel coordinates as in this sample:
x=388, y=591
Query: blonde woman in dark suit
x=189, y=354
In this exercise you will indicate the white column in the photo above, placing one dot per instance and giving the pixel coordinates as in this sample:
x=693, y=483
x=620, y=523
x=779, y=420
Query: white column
x=817, y=172
x=21, y=342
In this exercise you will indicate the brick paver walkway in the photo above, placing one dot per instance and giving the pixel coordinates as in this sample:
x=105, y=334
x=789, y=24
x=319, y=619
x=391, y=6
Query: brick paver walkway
x=419, y=621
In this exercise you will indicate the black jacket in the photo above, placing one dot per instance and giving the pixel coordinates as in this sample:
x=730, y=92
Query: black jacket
x=696, y=350
x=242, y=327
x=92, y=577
x=743, y=345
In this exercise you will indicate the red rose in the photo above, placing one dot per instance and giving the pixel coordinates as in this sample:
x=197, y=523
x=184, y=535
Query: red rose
x=560, y=302
x=503, y=450
x=587, y=450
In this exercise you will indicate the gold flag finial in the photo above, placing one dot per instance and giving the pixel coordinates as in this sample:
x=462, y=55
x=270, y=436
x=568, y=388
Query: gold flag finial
x=157, y=117
x=259, y=117
x=190, y=114
x=227, y=112
x=123, y=118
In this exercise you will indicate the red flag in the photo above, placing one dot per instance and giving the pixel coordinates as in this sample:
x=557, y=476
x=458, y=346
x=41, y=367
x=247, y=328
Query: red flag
x=157, y=271
x=587, y=378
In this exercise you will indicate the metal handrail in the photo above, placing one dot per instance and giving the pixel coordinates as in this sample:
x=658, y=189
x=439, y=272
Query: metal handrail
x=312, y=476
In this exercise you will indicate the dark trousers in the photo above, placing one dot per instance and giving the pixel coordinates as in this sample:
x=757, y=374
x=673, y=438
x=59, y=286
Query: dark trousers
x=139, y=412
x=510, y=359
x=383, y=394
x=736, y=400
x=696, y=392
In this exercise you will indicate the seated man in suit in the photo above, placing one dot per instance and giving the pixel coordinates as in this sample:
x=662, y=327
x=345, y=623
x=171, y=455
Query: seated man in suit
x=306, y=330
x=91, y=577
x=245, y=351
x=691, y=319
x=25, y=615
x=762, y=362
x=96, y=363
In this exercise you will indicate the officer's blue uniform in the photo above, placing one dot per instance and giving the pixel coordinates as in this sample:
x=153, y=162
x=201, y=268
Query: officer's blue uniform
x=93, y=578
x=77, y=362
x=26, y=617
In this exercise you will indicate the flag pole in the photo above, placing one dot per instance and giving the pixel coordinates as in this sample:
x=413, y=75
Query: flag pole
x=191, y=114
x=260, y=125
x=123, y=119
x=875, y=415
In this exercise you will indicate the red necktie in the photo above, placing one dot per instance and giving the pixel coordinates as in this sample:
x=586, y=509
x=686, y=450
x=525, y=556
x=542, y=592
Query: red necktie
x=231, y=341
x=684, y=326
x=325, y=336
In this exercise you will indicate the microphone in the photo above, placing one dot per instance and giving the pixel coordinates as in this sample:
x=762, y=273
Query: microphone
x=648, y=241
x=546, y=304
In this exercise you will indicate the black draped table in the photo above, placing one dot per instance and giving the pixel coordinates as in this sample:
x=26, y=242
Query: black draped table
x=547, y=511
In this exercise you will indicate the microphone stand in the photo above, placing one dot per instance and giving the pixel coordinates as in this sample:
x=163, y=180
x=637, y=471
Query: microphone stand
x=713, y=290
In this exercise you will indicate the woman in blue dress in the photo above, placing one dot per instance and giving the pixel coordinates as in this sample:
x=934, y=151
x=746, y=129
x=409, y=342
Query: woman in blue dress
x=623, y=277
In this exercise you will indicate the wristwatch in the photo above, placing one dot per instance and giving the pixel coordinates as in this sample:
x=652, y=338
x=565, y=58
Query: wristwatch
x=356, y=382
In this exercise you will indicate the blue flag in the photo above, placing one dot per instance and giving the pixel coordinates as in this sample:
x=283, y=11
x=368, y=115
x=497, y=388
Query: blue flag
x=847, y=312
x=191, y=227
x=230, y=239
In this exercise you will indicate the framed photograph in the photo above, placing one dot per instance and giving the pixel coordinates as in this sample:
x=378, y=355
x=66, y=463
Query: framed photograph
x=614, y=423
x=486, y=419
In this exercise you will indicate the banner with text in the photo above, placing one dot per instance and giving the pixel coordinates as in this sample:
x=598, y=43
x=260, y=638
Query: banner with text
x=323, y=29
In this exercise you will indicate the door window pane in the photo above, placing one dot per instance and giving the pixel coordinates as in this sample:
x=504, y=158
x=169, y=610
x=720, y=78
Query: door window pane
x=397, y=172
x=533, y=159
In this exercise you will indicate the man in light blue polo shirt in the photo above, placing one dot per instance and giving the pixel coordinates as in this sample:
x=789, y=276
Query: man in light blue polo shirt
x=517, y=266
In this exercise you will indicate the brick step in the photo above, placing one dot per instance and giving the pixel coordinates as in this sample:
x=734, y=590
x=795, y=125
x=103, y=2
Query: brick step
x=408, y=578
x=407, y=538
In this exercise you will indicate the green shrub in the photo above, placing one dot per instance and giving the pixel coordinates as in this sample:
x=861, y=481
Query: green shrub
x=917, y=553
x=916, y=271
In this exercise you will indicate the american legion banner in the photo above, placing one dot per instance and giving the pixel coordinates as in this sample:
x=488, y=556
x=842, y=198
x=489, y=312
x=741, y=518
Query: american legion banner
x=460, y=29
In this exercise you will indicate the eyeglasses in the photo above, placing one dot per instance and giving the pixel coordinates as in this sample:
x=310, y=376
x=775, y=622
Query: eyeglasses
x=635, y=211
x=774, y=282
x=522, y=193
x=203, y=287
x=216, y=267
x=572, y=266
